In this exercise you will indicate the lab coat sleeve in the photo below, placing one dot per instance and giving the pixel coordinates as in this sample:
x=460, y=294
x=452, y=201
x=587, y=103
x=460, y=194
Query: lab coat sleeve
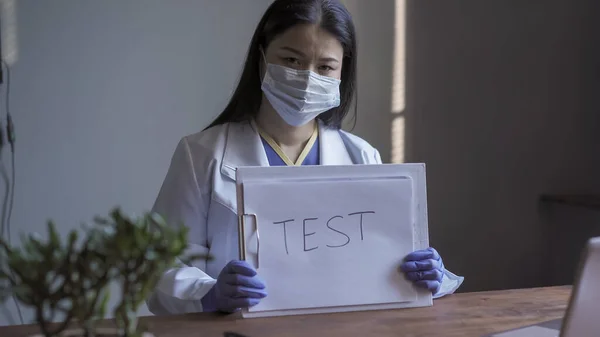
x=377, y=157
x=181, y=201
x=450, y=281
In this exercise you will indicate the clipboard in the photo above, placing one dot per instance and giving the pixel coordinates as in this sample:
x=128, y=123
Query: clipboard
x=252, y=181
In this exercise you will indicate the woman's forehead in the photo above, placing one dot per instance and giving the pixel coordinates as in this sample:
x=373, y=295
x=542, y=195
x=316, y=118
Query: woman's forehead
x=311, y=40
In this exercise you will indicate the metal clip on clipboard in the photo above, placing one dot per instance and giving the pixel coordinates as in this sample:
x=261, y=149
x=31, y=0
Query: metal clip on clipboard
x=242, y=237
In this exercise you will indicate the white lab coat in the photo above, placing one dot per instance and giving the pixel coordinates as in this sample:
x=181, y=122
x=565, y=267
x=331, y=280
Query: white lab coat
x=199, y=190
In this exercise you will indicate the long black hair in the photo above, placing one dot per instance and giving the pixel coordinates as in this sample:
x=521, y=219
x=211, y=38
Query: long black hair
x=332, y=16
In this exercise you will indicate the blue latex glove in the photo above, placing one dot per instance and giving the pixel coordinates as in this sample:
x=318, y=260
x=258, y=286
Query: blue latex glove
x=237, y=287
x=424, y=268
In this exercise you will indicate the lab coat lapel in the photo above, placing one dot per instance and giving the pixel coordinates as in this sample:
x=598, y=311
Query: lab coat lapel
x=243, y=147
x=332, y=147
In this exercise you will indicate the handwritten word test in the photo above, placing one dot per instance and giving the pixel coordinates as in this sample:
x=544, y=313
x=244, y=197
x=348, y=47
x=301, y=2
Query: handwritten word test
x=336, y=224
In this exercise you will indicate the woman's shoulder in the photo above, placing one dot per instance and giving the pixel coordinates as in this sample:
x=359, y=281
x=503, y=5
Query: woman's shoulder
x=356, y=141
x=208, y=135
x=360, y=148
x=206, y=143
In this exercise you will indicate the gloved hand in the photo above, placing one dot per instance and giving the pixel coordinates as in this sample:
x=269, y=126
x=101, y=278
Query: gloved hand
x=237, y=287
x=424, y=268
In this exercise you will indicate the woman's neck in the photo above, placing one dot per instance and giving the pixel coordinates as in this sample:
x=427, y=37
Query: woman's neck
x=283, y=134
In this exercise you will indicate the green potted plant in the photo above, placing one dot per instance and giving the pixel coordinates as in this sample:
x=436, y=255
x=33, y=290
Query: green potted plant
x=68, y=281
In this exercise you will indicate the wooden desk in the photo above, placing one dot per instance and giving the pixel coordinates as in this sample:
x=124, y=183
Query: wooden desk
x=469, y=314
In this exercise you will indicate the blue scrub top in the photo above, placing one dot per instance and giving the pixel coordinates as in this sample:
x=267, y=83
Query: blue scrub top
x=312, y=158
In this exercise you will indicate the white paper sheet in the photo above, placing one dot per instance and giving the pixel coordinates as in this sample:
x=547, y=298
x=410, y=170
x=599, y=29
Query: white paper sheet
x=326, y=257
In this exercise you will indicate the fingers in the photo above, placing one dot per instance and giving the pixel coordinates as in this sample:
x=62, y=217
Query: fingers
x=240, y=267
x=243, y=292
x=239, y=280
x=237, y=303
x=425, y=268
x=421, y=265
x=244, y=281
x=423, y=254
x=239, y=286
x=239, y=297
x=431, y=275
x=240, y=273
x=432, y=286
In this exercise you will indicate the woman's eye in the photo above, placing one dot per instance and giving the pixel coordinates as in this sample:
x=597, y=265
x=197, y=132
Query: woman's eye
x=292, y=60
x=325, y=68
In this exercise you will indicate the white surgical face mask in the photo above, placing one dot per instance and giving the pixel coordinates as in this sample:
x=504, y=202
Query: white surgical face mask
x=299, y=96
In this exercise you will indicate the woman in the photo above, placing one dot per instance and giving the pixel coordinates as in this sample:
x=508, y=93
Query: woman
x=297, y=86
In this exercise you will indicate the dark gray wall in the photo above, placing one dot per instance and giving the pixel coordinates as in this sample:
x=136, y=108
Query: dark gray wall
x=502, y=106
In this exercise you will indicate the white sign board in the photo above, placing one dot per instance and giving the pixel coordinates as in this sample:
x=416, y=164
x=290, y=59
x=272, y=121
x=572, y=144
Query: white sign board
x=332, y=238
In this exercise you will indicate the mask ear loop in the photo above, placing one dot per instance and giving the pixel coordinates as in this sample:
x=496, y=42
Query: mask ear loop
x=262, y=72
x=263, y=65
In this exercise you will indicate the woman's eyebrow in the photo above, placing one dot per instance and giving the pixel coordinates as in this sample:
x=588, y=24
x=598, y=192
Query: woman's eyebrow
x=295, y=51
x=301, y=54
x=329, y=59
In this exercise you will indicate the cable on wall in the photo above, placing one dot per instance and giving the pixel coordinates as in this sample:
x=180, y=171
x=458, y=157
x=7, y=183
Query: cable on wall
x=9, y=192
